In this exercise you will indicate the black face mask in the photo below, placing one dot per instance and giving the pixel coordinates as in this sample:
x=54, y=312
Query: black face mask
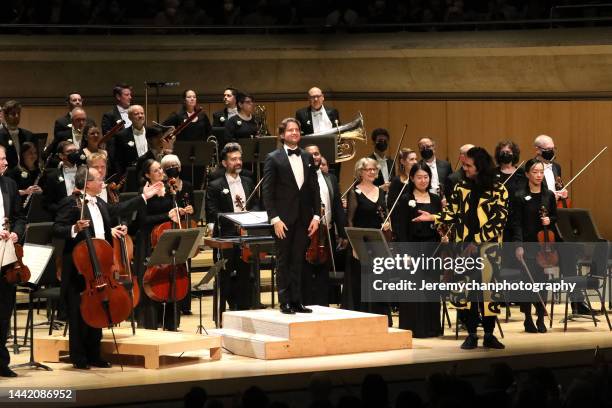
x=381, y=145
x=172, y=172
x=505, y=157
x=76, y=158
x=427, y=153
x=548, y=154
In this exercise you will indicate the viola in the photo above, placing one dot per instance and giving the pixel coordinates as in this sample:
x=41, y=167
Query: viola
x=104, y=302
x=17, y=272
x=123, y=253
x=561, y=202
x=547, y=256
x=318, y=251
x=245, y=252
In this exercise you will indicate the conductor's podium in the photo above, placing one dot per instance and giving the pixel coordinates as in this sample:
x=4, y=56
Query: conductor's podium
x=269, y=335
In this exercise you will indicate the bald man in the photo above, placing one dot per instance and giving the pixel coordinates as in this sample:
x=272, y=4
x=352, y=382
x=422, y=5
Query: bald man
x=545, y=150
x=317, y=118
x=63, y=123
x=131, y=143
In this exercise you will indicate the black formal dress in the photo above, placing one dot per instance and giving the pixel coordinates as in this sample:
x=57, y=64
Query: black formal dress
x=296, y=206
x=84, y=341
x=197, y=131
x=363, y=213
x=237, y=128
x=12, y=210
x=423, y=318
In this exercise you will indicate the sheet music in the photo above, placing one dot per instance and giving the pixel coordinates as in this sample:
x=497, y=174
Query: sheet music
x=7, y=249
x=248, y=218
x=36, y=257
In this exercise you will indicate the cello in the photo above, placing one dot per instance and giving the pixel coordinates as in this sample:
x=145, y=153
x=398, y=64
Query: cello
x=319, y=250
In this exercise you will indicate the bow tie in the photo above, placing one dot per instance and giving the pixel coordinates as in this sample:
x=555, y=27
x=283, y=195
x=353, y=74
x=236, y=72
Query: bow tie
x=92, y=200
x=294, y=151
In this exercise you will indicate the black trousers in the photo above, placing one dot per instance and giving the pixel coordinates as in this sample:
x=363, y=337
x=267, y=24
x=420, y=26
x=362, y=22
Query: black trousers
x=315, y=284
x=290, y=254
x=538, y=276
x=7, y=302
x=84, y=340
x=236, y=282
x=472, y=317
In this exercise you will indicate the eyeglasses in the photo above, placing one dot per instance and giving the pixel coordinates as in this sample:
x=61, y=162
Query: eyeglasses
x=315, y=96
x=370, y=169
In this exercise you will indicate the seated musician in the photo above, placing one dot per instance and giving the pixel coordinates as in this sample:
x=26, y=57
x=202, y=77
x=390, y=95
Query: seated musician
x=10, y=209
x=230, y=109
x=27, y=172
x=159, y=209
x=200, y=127
x=58, y=183
x=11, y=135
x=225, y=195
x=242, y=125
x=84, y=341
x=92, y=141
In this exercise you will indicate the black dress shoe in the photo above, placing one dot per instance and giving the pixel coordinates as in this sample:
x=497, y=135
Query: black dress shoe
x=470, y=342
x=581, y=309
x=81, y=366
x=286, y=308
x=541, y=325
x=300, y=308
x=7, y=372
x=490, y=341
x=529, y=326
x=100, y=364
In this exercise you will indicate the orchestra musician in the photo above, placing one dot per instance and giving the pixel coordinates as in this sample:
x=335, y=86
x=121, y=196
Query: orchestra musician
x=123, y=97
x=440, y=169
x=74, y=133
x=423, y=318
x=407, y=159
x=58, y=183
x=230, y=109
x=12, y=136
x=63, y=123
x=98, y=161
x=92, y=141
x=381, y=138
x=315, y=278
x=9, y=208
x=291, y=197
x=26, y=173
x=242, y=125
x=225, y=195
x=84, y=341
x=366, y=209
x=200, y=127
x=316, y=117
x=527, y=221
x=131, y=142
x=477, y=212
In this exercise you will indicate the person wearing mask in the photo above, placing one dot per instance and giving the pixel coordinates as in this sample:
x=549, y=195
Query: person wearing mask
x=440, y=169
x=58, y=183
x=381, y=138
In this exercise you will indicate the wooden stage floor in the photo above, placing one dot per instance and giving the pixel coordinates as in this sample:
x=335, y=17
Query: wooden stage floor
x=232, y=373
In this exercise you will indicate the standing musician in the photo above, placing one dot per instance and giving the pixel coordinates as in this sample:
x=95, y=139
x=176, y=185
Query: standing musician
x=131, y=143
x=92, y=141
x=226, y=195
x=527, y=221
x=440, y=169
x=10, y=208
x=74, y=133
x=58, y=183
x=315, y=278
x=423, y=318
x=11, y=135
x=200, y=128
x=407, y=159
x=229, y=99
x=74, y=100
x=291, y=198
x=242, y=125
x=507, y=156
x=366, y=209
x=477, y=212
x=381, y=138
x=84, y=340
x=123, y=97
x=26, y=173
x=158, y=210
x=317, y=118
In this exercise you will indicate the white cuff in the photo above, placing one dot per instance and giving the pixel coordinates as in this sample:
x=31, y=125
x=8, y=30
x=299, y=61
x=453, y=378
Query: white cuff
x=316, y=217
x=73, y=233
x=274, y=220
x=211, y=226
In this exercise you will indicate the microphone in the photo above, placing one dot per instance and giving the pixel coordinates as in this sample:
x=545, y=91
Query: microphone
x=161, y=84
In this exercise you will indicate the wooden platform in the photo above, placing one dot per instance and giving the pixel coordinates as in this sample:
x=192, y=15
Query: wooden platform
x=268, y=334
x=150, y=344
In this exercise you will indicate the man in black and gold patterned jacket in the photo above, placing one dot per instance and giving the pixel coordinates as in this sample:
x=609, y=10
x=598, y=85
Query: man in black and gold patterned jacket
x=477, y=213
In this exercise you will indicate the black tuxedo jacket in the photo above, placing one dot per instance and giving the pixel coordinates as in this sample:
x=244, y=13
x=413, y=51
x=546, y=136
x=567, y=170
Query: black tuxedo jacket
x=61, y=124
x=338, y=213
x=12, y=210
x=444, y=170
x=125, y=148
x=219, y=200
x=281, y=196
x=109, y=119
x=219, y=118
x=380, y=180
x=6, y=141
x=304, y=116
x=54, y=189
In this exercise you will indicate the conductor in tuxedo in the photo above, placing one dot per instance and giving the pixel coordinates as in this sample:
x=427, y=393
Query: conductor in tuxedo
x=11, y=209
x=228, y=194
x=84, y=341
x=291, y=198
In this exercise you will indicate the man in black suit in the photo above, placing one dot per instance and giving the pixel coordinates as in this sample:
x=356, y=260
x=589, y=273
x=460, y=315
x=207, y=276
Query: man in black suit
x=545, y=150
x=316, y=117
x=440, y=169
x=291, y=198
x=73, y=134
x=84, y=341
x=229, y=194
x=381, y=137
x=131, y=143
x=58, y=183
x=74, y=100
x=123, y=97
x=315, y=277
x=11, y=209
x=231, y=108
x=12, y=136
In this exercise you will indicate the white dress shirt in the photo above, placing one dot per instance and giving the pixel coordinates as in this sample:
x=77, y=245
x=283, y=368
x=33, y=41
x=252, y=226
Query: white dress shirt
x=77, y=137
x=435, y=180
x=2, y=214
x=96, y=218
x=325, y=197
x=140, y=139
x=384, y=169
x=69, y=174
x=297, y=167
x=124, y=115
x=320, y=120
x=104, y=195
x=231, y=112
x=549, y=176
x=236, y=189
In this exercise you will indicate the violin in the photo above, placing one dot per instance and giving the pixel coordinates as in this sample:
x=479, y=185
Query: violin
x=113, y=189
x=245, y=252
x=387, y=233
x=119, y=125
x=319, y=251
x=123, y=253
x=104, y=302
x=17, y=272
x=165, y=283
x=561, y=202
x=547, y=256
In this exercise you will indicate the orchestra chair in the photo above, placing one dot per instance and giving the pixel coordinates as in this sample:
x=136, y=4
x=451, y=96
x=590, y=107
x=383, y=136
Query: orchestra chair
x=37, y=213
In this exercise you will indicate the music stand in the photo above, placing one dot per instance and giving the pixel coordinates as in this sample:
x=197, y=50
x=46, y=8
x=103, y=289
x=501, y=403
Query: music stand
x=211, y=274
x=327, y=144
x=194, y=152
x=175, y=247
x=258, y=148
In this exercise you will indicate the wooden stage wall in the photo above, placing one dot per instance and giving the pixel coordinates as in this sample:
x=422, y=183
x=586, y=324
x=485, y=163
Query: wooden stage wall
x=580, y=129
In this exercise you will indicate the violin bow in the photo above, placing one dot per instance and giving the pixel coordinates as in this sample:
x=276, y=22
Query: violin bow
x=585, y=167
x=530, y=276
x=399, y=146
